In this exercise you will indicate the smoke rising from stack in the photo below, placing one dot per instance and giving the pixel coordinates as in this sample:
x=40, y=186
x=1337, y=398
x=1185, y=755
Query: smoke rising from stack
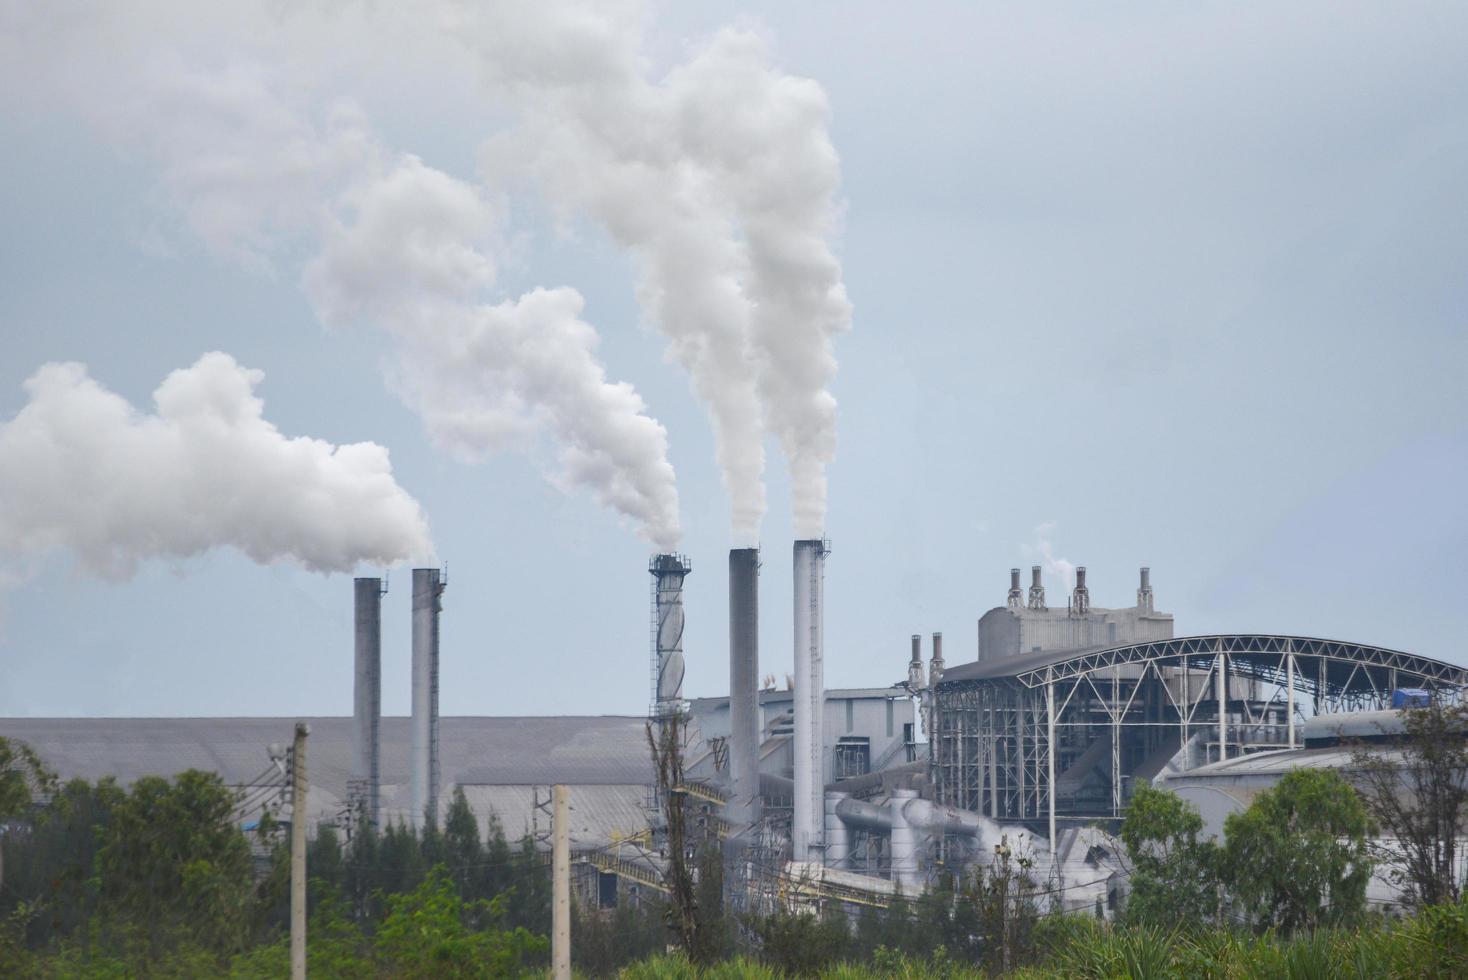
x=83, y=471
x=721, y=180
x=486, y=376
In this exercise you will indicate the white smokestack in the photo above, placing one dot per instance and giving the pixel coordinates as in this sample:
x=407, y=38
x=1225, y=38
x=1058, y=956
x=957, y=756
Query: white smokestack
x=810, y=699
x=82, y=470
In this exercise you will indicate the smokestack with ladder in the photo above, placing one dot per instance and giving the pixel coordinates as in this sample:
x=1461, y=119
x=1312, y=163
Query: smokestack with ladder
x=1037, y=591
x=743, y=806
x=428, y=586
x=367, y=698
x=806, y=824
x=1016, y=597
x=668, y=572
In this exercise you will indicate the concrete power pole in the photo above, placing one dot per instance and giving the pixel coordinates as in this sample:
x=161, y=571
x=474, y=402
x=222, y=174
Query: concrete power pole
x=298, y=852
x=560, y=886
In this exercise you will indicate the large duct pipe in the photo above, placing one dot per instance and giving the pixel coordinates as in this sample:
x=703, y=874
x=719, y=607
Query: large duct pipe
x=906, y=848
x=810, y=698
x=428, y=589
x=742, y=809
x=668, y=572
x=838, y=838
x=367, y=695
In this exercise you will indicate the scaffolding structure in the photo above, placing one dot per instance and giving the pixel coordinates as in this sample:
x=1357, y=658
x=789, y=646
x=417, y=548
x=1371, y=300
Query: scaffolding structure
x=1059, y=736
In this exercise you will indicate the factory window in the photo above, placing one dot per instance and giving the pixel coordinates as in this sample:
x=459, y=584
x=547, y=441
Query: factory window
x=850, y=714
x=853, y=757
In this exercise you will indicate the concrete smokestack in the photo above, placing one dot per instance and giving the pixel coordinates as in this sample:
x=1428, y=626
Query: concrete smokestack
x=367, y=695
x=743, y=805
x=1144, y=591
x=428, y=589
x=1080, y=600
x=915, y=666
x=668, y=572
x=1037, y=591
x=810, y=699
x=1016, y=597
x=935, y=670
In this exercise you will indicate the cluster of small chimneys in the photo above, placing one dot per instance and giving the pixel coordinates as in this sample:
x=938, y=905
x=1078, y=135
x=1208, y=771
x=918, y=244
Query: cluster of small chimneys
x=1079, y=603
x=915, y=680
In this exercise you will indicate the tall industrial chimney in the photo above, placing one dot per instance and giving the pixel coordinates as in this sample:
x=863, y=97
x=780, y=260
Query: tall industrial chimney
x=1016, y=597
x=1037, y=591
x=935, y=669
x=743, y=807
x=668, y=572
x=367, y=696
x=428, y=589
x=810, y=699
x=1144, y=591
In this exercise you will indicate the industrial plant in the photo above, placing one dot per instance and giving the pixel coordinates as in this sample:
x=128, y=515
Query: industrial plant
x=1035, y=739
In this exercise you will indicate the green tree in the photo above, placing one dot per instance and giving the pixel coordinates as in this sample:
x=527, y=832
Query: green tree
x=431, y=933
x=1417, y=792
x=1297, y=858
x=1174, y=874
x=172, y=864
x=461, y=848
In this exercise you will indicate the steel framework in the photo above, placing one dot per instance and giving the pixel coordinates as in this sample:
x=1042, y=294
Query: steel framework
x=1059, y=737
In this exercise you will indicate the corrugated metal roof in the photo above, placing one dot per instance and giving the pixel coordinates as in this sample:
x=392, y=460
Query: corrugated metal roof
x=599, y=813
x=473, y=750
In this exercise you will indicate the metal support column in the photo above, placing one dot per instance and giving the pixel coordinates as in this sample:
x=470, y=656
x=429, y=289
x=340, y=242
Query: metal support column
x=1290, y=691
x=1222, y=705
x=1115, y=713
x=1050, y=753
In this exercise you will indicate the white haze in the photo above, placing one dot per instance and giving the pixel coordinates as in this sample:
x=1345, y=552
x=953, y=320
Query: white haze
x=82, y=471
x=718, y=176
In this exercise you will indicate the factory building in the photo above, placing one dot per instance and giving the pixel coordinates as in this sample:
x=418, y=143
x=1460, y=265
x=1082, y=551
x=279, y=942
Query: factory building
x=1052, y=736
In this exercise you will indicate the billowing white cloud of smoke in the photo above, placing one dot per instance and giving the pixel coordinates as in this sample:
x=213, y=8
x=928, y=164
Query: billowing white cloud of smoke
x=722, y=180
x=484, y=376
x=82, y=471
x=265, y=174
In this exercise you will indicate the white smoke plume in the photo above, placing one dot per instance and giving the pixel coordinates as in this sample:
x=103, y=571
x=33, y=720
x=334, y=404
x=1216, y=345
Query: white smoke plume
x=484, y=376
x=1044, y=549
x=721, y=178
x=260, y=171
x=83, y=471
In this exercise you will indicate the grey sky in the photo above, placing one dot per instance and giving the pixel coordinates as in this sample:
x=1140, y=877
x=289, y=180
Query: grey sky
x=1184, y=283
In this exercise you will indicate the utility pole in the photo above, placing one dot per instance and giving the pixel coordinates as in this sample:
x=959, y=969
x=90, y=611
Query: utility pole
x=560, y=886
x=298, y=852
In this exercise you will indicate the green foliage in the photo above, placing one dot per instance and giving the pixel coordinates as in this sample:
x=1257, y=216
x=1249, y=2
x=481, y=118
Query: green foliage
x=1297, y=859
x=171, y=864
x=1174, y=874
x=432, y=933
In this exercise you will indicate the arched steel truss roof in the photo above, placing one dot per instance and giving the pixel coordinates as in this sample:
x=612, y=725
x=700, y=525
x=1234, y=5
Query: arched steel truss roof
x=1346, y=665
